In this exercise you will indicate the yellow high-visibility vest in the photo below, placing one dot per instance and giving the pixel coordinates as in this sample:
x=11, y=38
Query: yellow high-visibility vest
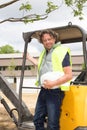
x=58, y=55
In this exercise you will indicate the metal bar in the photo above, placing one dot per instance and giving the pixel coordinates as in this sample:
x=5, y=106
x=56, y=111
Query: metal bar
x=84, y=50
x=21, y=82
x=31, y=87
x=27, y=39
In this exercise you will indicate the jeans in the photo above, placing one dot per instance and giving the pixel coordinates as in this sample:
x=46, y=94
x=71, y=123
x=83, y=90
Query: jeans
x=48, y=105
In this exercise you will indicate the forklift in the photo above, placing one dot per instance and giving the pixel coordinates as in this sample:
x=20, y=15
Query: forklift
x=74, y=106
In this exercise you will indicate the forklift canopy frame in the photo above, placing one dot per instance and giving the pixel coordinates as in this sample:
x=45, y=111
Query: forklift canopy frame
x=68, y=34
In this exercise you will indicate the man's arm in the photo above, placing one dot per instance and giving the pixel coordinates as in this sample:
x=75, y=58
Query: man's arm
x=32, y=59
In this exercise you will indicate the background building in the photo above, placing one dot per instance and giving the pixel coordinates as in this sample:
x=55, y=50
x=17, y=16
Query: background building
x=11, y=65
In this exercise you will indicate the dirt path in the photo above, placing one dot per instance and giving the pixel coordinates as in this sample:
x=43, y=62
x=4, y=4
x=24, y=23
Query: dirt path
x=6, y=122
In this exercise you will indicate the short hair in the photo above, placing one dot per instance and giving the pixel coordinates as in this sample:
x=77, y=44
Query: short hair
x=51, y=33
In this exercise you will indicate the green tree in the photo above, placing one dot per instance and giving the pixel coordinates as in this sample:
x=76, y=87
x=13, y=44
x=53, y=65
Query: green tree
x=12, y=65
x=26, y=7
x=77, y=7
x=7, y=49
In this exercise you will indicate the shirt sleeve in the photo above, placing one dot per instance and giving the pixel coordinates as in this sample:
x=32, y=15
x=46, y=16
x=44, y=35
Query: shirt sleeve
x=66, y=61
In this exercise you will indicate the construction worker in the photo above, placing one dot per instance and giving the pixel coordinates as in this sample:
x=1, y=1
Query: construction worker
x=54, y=59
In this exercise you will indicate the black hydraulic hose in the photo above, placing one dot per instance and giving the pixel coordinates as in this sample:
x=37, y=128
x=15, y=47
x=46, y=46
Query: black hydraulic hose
x=9, y=110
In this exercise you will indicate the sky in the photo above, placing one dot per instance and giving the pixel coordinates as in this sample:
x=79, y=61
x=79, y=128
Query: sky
x=11, y=33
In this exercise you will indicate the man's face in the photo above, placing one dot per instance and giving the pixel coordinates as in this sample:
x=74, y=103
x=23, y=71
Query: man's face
x=48, y=41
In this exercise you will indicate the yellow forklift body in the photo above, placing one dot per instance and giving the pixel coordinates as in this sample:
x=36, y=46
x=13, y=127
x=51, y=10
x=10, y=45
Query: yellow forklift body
x=74, y=108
